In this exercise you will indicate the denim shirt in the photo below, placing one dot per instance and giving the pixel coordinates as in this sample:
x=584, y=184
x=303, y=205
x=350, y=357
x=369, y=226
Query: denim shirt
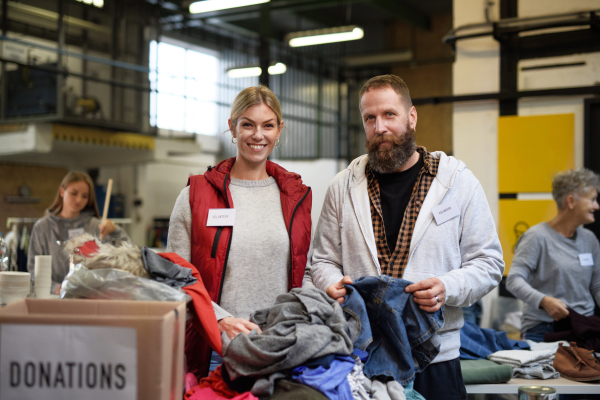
x=386, y=322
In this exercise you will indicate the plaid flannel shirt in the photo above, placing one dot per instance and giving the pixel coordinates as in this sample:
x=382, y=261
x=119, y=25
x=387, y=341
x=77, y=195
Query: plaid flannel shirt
x=393, y=263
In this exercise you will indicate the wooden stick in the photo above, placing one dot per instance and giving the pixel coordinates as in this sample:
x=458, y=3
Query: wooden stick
x=107, y=201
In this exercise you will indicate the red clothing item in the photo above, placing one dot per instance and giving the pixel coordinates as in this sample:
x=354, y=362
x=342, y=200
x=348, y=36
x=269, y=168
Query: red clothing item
x=213, y=387
x=209, y=394
x=204, y=321
x=210, y=244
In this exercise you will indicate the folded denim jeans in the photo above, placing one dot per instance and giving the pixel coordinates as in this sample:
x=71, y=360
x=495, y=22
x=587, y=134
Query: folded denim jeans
x=386, y=322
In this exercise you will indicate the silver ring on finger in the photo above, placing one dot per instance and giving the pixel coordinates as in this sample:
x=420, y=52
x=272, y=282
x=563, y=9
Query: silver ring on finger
x=437, y=299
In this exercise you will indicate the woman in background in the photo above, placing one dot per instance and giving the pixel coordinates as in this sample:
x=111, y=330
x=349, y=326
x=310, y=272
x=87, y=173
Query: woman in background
x=73, y=212
x=261, y=251
x=557, y=263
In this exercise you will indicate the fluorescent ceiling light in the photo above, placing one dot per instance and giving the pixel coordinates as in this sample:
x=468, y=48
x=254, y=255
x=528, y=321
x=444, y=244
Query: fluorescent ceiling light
x=97, y=3
x=277, y=69
x=215, y=5
x=321, y=36
x=244, y=72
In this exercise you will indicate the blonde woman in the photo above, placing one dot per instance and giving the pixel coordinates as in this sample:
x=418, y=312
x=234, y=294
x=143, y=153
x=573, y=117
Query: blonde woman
x=73, y=212
x=260, y=253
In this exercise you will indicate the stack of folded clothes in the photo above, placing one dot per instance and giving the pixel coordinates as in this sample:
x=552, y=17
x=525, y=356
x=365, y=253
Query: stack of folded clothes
x=528, y=364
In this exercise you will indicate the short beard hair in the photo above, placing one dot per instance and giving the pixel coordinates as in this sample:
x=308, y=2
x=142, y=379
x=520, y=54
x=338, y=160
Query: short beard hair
x=385, y=161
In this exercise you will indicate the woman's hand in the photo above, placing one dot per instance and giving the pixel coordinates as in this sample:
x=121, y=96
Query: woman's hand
x=234, y=326
x=107, y=228
x=555, y=307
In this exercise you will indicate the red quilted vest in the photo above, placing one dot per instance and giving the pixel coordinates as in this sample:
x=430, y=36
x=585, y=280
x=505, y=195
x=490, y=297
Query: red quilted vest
x=210, y=245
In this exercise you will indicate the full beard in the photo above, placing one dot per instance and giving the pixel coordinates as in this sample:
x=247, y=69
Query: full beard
x=391, y=159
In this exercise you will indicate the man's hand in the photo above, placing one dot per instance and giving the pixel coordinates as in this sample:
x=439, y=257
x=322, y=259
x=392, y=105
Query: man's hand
x=430, y=294
x=555, y=307
x=234, y=326
x=337, y=291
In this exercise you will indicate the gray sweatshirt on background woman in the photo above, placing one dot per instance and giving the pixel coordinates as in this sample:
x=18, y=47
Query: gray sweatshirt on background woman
x=547, y=264
x=50, y=233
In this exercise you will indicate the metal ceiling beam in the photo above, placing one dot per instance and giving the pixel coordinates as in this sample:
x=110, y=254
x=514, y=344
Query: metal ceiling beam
x=321, y=18
x=404, y=12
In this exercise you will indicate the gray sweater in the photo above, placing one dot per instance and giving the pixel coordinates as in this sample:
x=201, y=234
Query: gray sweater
x=50, y=233
x=258, y=263
x=547, y=264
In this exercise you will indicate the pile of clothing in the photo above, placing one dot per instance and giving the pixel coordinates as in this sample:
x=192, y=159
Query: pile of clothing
x=369, y=347
x=585, y=331
x=476, y=345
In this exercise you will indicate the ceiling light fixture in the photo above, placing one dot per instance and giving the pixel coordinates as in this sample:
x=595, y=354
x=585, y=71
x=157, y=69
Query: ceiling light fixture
x=215, y=5
x=321, y=36
x=244, y=72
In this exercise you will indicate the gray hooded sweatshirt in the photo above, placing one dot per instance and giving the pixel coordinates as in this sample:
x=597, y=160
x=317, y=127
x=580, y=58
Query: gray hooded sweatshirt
x=50, y=233
x=463, y=252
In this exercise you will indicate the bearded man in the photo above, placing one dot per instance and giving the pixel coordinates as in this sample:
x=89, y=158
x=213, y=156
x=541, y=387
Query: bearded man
x=408, y=213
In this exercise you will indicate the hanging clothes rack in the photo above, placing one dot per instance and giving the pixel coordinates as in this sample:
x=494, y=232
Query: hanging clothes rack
x=18, y=242
x=10, y=221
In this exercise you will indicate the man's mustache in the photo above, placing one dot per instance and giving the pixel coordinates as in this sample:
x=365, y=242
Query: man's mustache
x=373, y=144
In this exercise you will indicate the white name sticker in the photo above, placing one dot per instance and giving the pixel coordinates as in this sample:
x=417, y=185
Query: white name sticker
x=446, y=211
x=76, y=232
x=56, y=362
x=586, y=259
x=221, y=217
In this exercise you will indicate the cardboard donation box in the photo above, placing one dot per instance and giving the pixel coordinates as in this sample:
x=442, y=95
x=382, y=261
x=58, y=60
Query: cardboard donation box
x=91, y=349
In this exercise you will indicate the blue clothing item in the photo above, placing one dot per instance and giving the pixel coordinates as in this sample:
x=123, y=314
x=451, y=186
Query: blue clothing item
x=411, y=393
x=332, y=381
x=476, y=343
x=537, y=332
x=473, y=313
x=399, y=337
x=363, y=355
x=215, y=361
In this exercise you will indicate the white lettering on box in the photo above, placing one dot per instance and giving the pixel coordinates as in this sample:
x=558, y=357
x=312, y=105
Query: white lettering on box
x=67, y=361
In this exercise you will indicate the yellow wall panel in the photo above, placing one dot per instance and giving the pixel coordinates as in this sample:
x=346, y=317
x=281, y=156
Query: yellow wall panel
x=516, y=216
x=532, y=150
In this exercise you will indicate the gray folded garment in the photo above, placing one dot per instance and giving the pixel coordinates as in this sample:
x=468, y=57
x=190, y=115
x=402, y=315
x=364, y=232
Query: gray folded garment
x=541, y=371
x=302, y=325
x=165, y=271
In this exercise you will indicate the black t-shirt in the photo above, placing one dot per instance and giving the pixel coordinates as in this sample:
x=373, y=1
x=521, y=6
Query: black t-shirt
x=395, y=190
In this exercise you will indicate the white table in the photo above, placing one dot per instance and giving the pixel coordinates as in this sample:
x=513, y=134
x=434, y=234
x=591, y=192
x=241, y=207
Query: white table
x=562, y=386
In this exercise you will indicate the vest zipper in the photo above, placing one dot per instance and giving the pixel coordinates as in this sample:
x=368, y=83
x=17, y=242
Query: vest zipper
x=290, y=235
x=213, y=252
x=228, y=243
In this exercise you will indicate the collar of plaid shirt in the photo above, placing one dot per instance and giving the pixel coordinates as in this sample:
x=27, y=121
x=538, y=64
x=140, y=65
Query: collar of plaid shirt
x=393, y=263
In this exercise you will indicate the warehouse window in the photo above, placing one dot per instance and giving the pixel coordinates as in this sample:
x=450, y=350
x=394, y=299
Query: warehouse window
x=184, y=87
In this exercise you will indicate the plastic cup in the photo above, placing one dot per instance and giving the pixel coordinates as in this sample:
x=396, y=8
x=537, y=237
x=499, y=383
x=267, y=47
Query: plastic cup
x=43, y=271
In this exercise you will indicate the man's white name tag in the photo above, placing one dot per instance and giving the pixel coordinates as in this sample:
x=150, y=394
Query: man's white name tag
x=76, y=232
x=446, y=211
x=586, y=259
x=221, y=217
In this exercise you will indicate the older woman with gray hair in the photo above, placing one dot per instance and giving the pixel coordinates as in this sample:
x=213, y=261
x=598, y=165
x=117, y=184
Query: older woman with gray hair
x=557, y=263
